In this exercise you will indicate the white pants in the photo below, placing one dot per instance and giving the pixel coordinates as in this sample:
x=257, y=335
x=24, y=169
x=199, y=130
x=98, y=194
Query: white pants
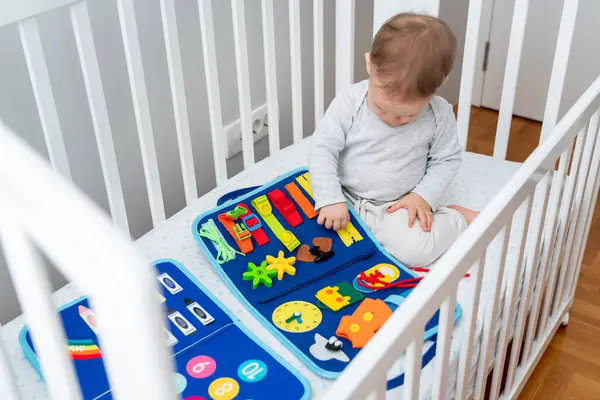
x=411, y=246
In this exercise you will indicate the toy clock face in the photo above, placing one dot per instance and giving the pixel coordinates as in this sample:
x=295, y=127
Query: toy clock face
x=297, y=316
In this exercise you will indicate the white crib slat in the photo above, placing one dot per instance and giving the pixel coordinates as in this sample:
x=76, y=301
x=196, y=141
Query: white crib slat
x=464, y=366
x=510, y=300
x=243, y=78
x=44, y=97
x=412, y=369
x=7, y=379
x=570, y=289
x=84, y=39
x=184, y=141
x=511, y=76
x=559, y=67
x=468, y=70
x=549, y=247
x=33, y=291
x=587, y=165
x=446, y=321
x=141, y=108
x=319, y=56
x=550, y=225
x=532, y=251
x=582, y=200
x=555, y=89
x=344, y=43
x=585, y=138
x=490, y=321
x=565, y=212
x=296, y=69
x=268, y=23
x=211, y=72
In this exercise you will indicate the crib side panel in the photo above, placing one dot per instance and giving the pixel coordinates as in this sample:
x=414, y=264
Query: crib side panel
x=103, y=264
x=519, y=283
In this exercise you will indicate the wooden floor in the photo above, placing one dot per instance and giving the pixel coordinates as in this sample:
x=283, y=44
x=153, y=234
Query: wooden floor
x=570, y=368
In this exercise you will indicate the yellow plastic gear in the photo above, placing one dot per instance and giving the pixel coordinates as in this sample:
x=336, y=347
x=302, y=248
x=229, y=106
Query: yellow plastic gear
x=283, y=265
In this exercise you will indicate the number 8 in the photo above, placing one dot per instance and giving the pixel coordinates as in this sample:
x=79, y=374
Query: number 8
x=226, y=387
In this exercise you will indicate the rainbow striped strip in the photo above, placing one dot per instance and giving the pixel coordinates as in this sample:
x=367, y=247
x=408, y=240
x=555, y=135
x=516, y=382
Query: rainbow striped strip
x=83, y=350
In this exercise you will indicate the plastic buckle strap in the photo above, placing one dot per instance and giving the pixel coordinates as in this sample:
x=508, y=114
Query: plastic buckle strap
x=241, y=233
x=237, y=212
x=252, y=222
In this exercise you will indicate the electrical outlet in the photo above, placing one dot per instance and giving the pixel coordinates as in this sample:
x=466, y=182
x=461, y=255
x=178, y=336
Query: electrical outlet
x=233, y=131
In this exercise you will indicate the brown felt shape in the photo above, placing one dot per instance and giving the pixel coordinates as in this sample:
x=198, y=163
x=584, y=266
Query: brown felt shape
x=323, y=243
x=304, y=254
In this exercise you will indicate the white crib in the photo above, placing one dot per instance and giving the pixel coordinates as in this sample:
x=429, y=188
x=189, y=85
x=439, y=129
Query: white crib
x=536, y=224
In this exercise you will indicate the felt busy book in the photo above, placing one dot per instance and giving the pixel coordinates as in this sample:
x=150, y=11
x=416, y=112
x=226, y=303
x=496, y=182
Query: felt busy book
x=323, y=293
x=216, y=357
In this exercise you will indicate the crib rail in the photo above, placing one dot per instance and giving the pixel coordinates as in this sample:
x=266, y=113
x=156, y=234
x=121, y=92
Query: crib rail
x=25, y=14
x=58, y=225
x=405, y=329
x=558, y=207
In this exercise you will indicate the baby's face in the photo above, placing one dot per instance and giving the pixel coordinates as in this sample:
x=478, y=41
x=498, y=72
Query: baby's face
x=393, y=111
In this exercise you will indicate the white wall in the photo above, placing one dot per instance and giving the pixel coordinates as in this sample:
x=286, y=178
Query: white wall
x=17, y=106
x=454, y=12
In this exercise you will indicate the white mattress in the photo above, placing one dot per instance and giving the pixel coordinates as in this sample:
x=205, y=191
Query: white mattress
x=479, y=179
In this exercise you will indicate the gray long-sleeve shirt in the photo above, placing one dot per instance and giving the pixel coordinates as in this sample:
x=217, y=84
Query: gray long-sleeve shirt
x=354, y=149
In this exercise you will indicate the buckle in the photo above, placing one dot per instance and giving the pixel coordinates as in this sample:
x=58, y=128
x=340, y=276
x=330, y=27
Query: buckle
x=241, y=232
x=252, y=225
x=236, y=212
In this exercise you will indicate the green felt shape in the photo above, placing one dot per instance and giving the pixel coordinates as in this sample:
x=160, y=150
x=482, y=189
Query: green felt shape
x=259, y=274
x=345, y=289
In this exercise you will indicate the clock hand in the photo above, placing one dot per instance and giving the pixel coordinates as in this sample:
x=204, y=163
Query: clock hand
x=295, y=316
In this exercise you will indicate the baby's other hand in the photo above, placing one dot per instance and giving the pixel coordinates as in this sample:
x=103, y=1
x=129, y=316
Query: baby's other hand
x=334, y=216
x=417, y=208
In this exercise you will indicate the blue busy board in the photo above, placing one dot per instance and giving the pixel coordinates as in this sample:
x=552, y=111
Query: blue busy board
x=317, y=308
x=216, y=357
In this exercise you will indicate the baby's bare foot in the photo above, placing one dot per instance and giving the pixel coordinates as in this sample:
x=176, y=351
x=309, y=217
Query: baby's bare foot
x=469, y=214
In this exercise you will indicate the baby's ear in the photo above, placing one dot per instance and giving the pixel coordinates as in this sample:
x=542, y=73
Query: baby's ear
x=368, y=62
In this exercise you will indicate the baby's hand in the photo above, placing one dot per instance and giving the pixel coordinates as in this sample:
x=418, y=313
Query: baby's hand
x=334, y=216
x=417, y=208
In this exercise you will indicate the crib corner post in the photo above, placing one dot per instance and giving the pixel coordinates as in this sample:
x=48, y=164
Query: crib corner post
x=565, y=320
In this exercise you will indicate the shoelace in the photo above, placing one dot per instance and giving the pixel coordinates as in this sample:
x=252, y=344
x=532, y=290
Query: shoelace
x=369, y=281
x=225, y=252
x=423, y=269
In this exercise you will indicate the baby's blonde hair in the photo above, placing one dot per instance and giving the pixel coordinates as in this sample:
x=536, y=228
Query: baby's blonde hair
x=412, y=55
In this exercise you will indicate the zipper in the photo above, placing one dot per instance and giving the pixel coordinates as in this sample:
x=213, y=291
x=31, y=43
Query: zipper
x=362, y=256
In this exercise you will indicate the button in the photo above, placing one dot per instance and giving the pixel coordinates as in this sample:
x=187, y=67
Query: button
x=224, y=389
x=368, y=316
x=180, y=383
x=252, y=371
x=201, y=367
x=354, y=328
x=285, y=236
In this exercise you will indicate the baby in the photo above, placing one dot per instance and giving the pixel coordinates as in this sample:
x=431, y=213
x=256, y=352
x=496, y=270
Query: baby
x=389, y=146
